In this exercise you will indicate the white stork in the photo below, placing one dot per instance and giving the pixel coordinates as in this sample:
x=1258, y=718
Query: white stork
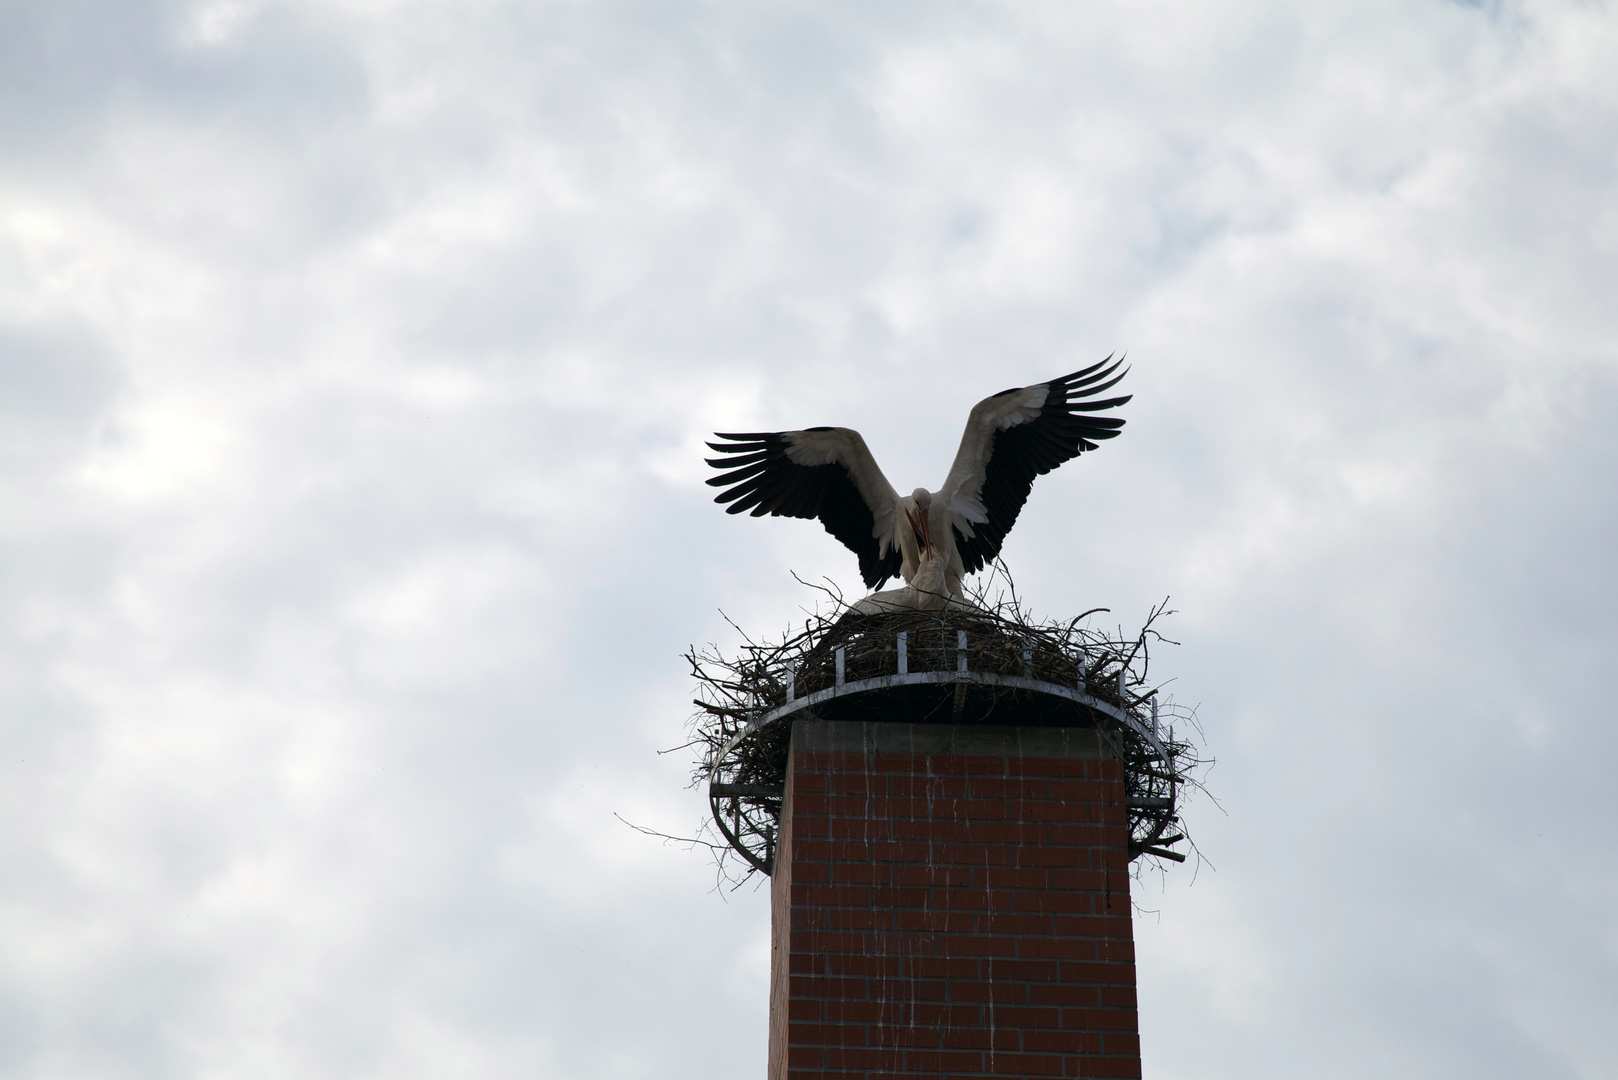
x=828, y=472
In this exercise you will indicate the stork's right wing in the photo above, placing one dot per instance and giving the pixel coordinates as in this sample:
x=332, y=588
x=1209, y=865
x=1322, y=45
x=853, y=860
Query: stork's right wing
x=824, y=472
x=1015, y=436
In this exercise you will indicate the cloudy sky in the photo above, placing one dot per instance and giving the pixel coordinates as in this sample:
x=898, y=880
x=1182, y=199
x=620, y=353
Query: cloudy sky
x=355, y=358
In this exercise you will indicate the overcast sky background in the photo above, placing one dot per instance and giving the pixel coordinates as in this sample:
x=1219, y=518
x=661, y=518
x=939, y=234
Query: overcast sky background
x=355, y=359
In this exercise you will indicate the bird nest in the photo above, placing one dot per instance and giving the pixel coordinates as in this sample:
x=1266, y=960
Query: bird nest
x=987, y=663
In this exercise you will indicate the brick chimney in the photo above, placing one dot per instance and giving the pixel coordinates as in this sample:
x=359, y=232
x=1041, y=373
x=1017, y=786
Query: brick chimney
x=951, y=901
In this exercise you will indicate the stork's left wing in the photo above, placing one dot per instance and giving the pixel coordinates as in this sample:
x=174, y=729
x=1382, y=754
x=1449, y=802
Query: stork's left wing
x=823, y=472
x=1015, y=436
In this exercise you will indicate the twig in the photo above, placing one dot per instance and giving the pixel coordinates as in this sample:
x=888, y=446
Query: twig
x=667, y=837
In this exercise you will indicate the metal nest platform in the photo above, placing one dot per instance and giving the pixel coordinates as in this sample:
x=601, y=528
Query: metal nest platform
x=962, y=666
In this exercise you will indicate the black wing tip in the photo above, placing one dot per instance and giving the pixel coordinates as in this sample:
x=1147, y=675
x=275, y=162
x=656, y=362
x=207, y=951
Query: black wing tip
x=1091, y=370
x=1093, y=374
x=761, y=437
x=1082, y=408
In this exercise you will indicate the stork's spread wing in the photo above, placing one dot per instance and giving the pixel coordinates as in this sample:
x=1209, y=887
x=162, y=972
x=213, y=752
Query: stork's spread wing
x=1012, y=438
x=823, y=472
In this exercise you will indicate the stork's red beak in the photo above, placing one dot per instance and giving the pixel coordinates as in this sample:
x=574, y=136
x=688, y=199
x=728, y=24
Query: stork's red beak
x=922, y=531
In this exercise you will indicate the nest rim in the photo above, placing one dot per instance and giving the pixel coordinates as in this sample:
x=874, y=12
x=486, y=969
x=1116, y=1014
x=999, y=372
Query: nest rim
x=755, y=808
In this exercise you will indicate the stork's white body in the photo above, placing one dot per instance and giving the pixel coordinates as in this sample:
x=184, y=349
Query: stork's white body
x=943, y=560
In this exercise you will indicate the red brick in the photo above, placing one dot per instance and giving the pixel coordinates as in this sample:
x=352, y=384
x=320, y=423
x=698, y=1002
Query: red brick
x=832, y=894
x=936, y=831
x=984, y=809
x=824, y=942
x=1015, y=877
x=1100, y=1019
x=1008, y=832
x=1025, y=1017
x=946, y=967
x=974, y=1038
x=1053, y=948
x=1028, y=1064
x=1063, y=857
x=1087, y=880
x=975, y=945
x=909, y=989
x=855, y=918
x=1068, y=903
x=857, y=783
x=898, y=763
x=906, y=1036
x=1055, y=812
x=1062, y=1042
x=925, y=809
x=908, y=851
x=805, y=917
x=933, y=1062
x=946, y=1015
x=864, y=965
x=839, y=761
x=1033, y=972
x=930, y=787
x=1012, y=993
x=948, y=922
x=1109, y=857
x=1039, y=766
x=1098, y=927
x=1121, y=1042
x=806, y=1009
x=972, y=854
x=903, y=944
x=862, y=1058
x=859, y=828
x=1102, y=1068
x=854, y=873
x=827, y=1034
x=1119, y=997
x=804, y=872
x=816, y=986
x=1116, y=951
x=1083, y=952
x=1010, y=787
x=852, y=1012
x=1084, y=792
x=807, y=804
x=805, y=1056
x=1084, y=835
x=1001, y=922
x=933, y=874
x=962, y=763
x=1094, y=974
x=862, y=807
x=1056, y=993
x=807, y=827
x=811, y=850
x=1072, y=1042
